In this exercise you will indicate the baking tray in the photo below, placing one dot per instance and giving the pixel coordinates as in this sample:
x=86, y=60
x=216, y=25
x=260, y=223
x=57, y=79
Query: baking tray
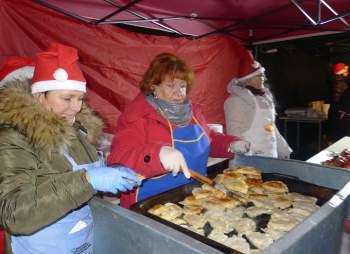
x=178, y=194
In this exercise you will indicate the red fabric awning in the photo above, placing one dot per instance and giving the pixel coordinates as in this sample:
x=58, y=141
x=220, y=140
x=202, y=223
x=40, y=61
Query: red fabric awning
x=114, y=59
x=249, y=21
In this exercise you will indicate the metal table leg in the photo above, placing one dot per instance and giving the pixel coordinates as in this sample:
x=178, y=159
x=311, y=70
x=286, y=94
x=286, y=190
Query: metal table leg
x=319, y=136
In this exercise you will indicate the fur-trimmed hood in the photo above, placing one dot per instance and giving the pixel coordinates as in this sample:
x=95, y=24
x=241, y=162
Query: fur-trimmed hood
x=44, y=130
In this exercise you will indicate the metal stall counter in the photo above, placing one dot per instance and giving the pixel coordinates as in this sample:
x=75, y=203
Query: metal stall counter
x=329, y=154
x=119, y=230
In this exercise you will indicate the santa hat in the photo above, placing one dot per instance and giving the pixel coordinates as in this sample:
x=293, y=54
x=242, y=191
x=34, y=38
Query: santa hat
x=57, y=69
x=341, y=69
x=248, y=67
x=16, y=68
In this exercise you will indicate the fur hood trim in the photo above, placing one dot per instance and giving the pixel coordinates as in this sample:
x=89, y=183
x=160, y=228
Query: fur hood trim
x=45, y=130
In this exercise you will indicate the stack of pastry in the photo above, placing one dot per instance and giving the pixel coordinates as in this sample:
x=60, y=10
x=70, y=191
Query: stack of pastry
x=248, y=222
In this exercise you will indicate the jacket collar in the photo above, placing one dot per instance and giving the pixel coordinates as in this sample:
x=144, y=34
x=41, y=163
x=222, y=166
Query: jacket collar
x=44, y=130
x=139, y=108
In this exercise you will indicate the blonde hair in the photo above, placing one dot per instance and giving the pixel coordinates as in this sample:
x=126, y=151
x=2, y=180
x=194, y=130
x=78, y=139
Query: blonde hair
x=166, y=65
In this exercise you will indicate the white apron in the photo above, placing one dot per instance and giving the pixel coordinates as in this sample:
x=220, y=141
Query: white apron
x=262, y=133
x=72, y=234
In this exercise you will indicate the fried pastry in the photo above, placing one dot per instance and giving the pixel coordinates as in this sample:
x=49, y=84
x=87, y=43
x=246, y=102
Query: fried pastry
x=178, y=221
x=168, y=211
x=200, y=193
x=218, y=236
x=156, y=210
x=283, y=223
x=244, y=225
x=274, y=234
x=238, y=243
x=220, y=224
x=195, y=221
x=236, y=185
x=191, y=201
x=254, y=211
x=281, y=202
x=249, y=172
x=192, y=209
x=220, y=203
x=233, y=174
x=300, y=197
x=260, y=200
x=259, y=240
x=275, y=186
x=236, y=212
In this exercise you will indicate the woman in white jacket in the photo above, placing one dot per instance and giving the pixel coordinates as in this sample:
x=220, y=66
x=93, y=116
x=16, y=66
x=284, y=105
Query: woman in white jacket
x=250, y=112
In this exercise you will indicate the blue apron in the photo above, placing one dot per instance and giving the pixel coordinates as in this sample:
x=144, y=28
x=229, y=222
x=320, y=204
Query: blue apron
x=194, y=144
x=73, y=234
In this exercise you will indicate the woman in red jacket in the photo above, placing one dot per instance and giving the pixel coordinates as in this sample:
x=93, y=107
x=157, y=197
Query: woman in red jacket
x=162, y=133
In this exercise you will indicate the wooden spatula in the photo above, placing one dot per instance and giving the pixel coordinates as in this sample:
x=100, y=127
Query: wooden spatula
x=201, y=178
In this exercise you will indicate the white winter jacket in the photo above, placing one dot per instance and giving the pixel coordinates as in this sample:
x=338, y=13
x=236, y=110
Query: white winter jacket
x=253, y=119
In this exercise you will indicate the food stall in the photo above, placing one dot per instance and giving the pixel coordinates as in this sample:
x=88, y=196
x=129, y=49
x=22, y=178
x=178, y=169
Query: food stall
x=130, y=232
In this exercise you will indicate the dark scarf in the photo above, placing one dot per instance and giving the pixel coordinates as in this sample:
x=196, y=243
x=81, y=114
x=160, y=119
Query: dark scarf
x=256, y=91
x=179, y=114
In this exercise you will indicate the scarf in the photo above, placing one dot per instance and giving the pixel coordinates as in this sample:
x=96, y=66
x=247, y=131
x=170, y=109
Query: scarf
x=256, y=91
x=179, y=114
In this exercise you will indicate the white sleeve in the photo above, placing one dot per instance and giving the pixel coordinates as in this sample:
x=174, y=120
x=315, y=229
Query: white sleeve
x=238, y=115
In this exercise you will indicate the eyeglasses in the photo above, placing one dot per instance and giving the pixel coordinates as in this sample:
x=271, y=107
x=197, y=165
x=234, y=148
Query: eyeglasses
x=175, y=84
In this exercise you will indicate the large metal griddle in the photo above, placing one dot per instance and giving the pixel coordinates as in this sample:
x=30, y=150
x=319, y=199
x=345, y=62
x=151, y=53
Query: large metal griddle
x=178, y=194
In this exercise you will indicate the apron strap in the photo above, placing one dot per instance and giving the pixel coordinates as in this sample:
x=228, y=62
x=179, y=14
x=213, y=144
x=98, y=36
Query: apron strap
x=77, y=167
x=70, y=159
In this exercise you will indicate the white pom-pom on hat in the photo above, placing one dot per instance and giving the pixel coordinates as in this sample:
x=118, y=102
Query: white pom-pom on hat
x=60, y=74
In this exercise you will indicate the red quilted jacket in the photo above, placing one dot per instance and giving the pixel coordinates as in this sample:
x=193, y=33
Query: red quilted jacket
x=140, y=134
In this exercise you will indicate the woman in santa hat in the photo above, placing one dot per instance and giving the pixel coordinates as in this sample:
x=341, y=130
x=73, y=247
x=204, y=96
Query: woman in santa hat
x=250, y=110
x=50, y=169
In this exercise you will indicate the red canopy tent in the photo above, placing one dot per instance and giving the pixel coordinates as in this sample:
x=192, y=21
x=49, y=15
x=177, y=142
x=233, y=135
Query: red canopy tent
x=249, y=21
x=114, y=59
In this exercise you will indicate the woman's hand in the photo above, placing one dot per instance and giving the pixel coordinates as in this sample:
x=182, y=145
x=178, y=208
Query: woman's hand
x=173, y=160
x=108, y=179
x=240, y=147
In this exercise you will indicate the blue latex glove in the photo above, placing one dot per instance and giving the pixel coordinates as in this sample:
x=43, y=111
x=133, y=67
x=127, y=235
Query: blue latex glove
x=108, y=179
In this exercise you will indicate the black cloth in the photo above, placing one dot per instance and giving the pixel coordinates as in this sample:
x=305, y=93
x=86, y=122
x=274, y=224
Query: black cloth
x=256, y=91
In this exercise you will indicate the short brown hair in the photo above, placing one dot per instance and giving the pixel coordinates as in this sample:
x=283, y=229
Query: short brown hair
x=163, y=65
